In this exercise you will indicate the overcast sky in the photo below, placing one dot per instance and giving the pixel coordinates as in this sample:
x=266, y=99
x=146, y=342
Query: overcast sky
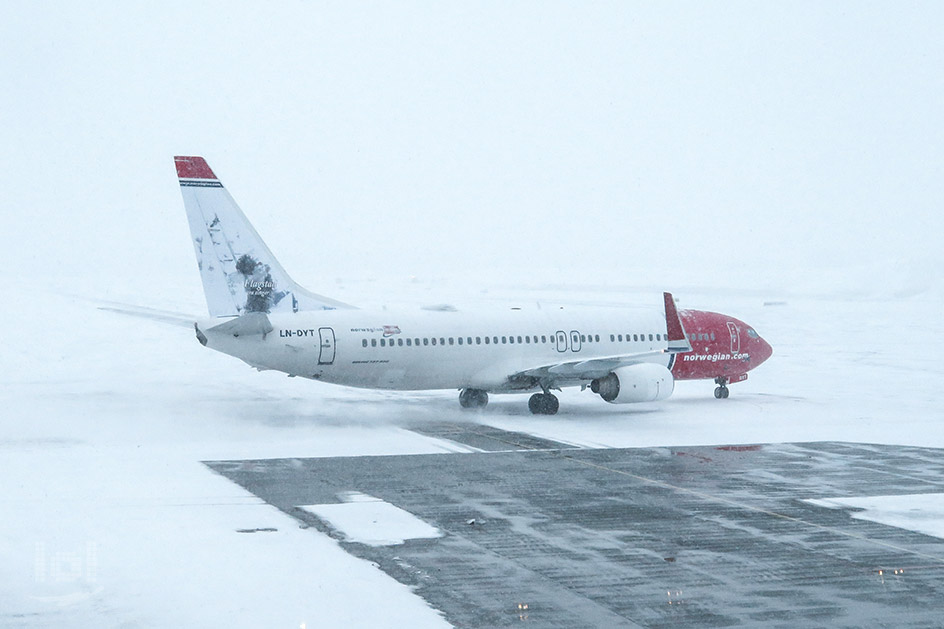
x=609, y=143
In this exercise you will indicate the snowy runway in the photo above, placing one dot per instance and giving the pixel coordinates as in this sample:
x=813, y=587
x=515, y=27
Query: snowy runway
x=575, y=537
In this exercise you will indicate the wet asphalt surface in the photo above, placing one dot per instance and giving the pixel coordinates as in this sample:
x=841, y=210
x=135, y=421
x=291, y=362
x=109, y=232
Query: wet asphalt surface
x=550, y=535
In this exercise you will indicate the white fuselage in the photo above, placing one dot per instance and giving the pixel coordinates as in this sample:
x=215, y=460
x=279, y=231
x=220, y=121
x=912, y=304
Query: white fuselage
x=423, y=349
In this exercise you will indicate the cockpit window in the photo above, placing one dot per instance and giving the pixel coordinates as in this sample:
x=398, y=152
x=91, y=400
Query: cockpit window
x=751, y=333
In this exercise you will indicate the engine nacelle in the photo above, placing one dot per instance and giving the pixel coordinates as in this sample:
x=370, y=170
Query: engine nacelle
x=645, y=382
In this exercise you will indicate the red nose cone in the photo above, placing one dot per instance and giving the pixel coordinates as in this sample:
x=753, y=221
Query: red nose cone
x=762, y=352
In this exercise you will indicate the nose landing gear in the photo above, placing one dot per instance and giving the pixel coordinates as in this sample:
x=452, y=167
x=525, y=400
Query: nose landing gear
x=721, y=392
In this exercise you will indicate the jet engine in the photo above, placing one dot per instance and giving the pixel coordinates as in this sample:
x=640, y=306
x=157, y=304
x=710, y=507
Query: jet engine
x=644, y=382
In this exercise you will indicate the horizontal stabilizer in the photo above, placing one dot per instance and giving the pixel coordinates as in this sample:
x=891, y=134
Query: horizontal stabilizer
x=143, y=312
x=245, y=325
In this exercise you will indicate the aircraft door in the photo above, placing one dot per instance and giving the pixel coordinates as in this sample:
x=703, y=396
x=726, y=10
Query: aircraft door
x=561, y=341
x=326, y=355
x=735, y=338
x=575, y=341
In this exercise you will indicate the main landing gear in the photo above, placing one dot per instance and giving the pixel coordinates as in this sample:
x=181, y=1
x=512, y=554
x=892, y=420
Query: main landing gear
x=544, y=404
x=473, y=398
x=721, y=392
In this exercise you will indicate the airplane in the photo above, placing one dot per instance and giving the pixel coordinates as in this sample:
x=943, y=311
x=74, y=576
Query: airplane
x=259, y=315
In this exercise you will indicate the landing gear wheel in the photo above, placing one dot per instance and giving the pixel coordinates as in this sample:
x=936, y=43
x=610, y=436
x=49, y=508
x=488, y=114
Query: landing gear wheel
x=722, y=391
x=473, y=398
x=543, y=404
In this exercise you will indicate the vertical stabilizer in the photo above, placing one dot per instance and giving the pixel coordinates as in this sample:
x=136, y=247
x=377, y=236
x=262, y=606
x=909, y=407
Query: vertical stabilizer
x=240, y=275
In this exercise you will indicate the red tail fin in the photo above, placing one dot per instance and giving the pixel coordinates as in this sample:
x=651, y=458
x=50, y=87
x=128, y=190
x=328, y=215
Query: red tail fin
x=193, y=168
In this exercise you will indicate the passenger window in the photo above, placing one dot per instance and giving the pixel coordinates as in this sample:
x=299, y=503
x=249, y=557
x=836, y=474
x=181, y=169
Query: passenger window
x=495, y=340
x=620, y=337
x=658, y=337
x=504, y=340
x=409, y=342
x=365, y=343
x=635, y=337
x=596, y=337
x=527, y=339
x=712, y=336
x=543, y=339
x=469, y=339
x=511, y=339
x=452, y=341
x=373, y=342
x=383, y=343
x=519, y=339
x=459, y=340
x=478, y=340
x=426, y=341
x=486, y=340
x=650, y=337
x=583, y=338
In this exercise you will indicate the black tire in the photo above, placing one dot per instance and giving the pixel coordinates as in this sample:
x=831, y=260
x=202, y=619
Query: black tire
x=536, y=404
x=543, y=404
x=719, y=392
x=725, y=392
x=480, y=400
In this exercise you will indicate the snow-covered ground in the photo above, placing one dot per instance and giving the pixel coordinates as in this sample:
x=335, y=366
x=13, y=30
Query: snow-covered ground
x=110, y=519
x=583, y=153
x=368, y=520
x=916, y=512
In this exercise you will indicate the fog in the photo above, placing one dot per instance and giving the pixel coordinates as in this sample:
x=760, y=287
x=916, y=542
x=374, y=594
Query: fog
x=779, y=147
x=781, y=163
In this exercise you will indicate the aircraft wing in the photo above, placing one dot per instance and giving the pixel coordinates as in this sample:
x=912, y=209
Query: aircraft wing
x=586, y=369
x=599, y=367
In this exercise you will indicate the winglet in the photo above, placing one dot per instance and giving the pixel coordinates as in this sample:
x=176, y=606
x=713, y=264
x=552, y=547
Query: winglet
x=193, y=168
x=678, y=340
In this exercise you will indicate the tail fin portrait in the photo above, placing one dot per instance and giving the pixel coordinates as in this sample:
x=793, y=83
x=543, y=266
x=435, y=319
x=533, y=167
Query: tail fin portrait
x=240, y=275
